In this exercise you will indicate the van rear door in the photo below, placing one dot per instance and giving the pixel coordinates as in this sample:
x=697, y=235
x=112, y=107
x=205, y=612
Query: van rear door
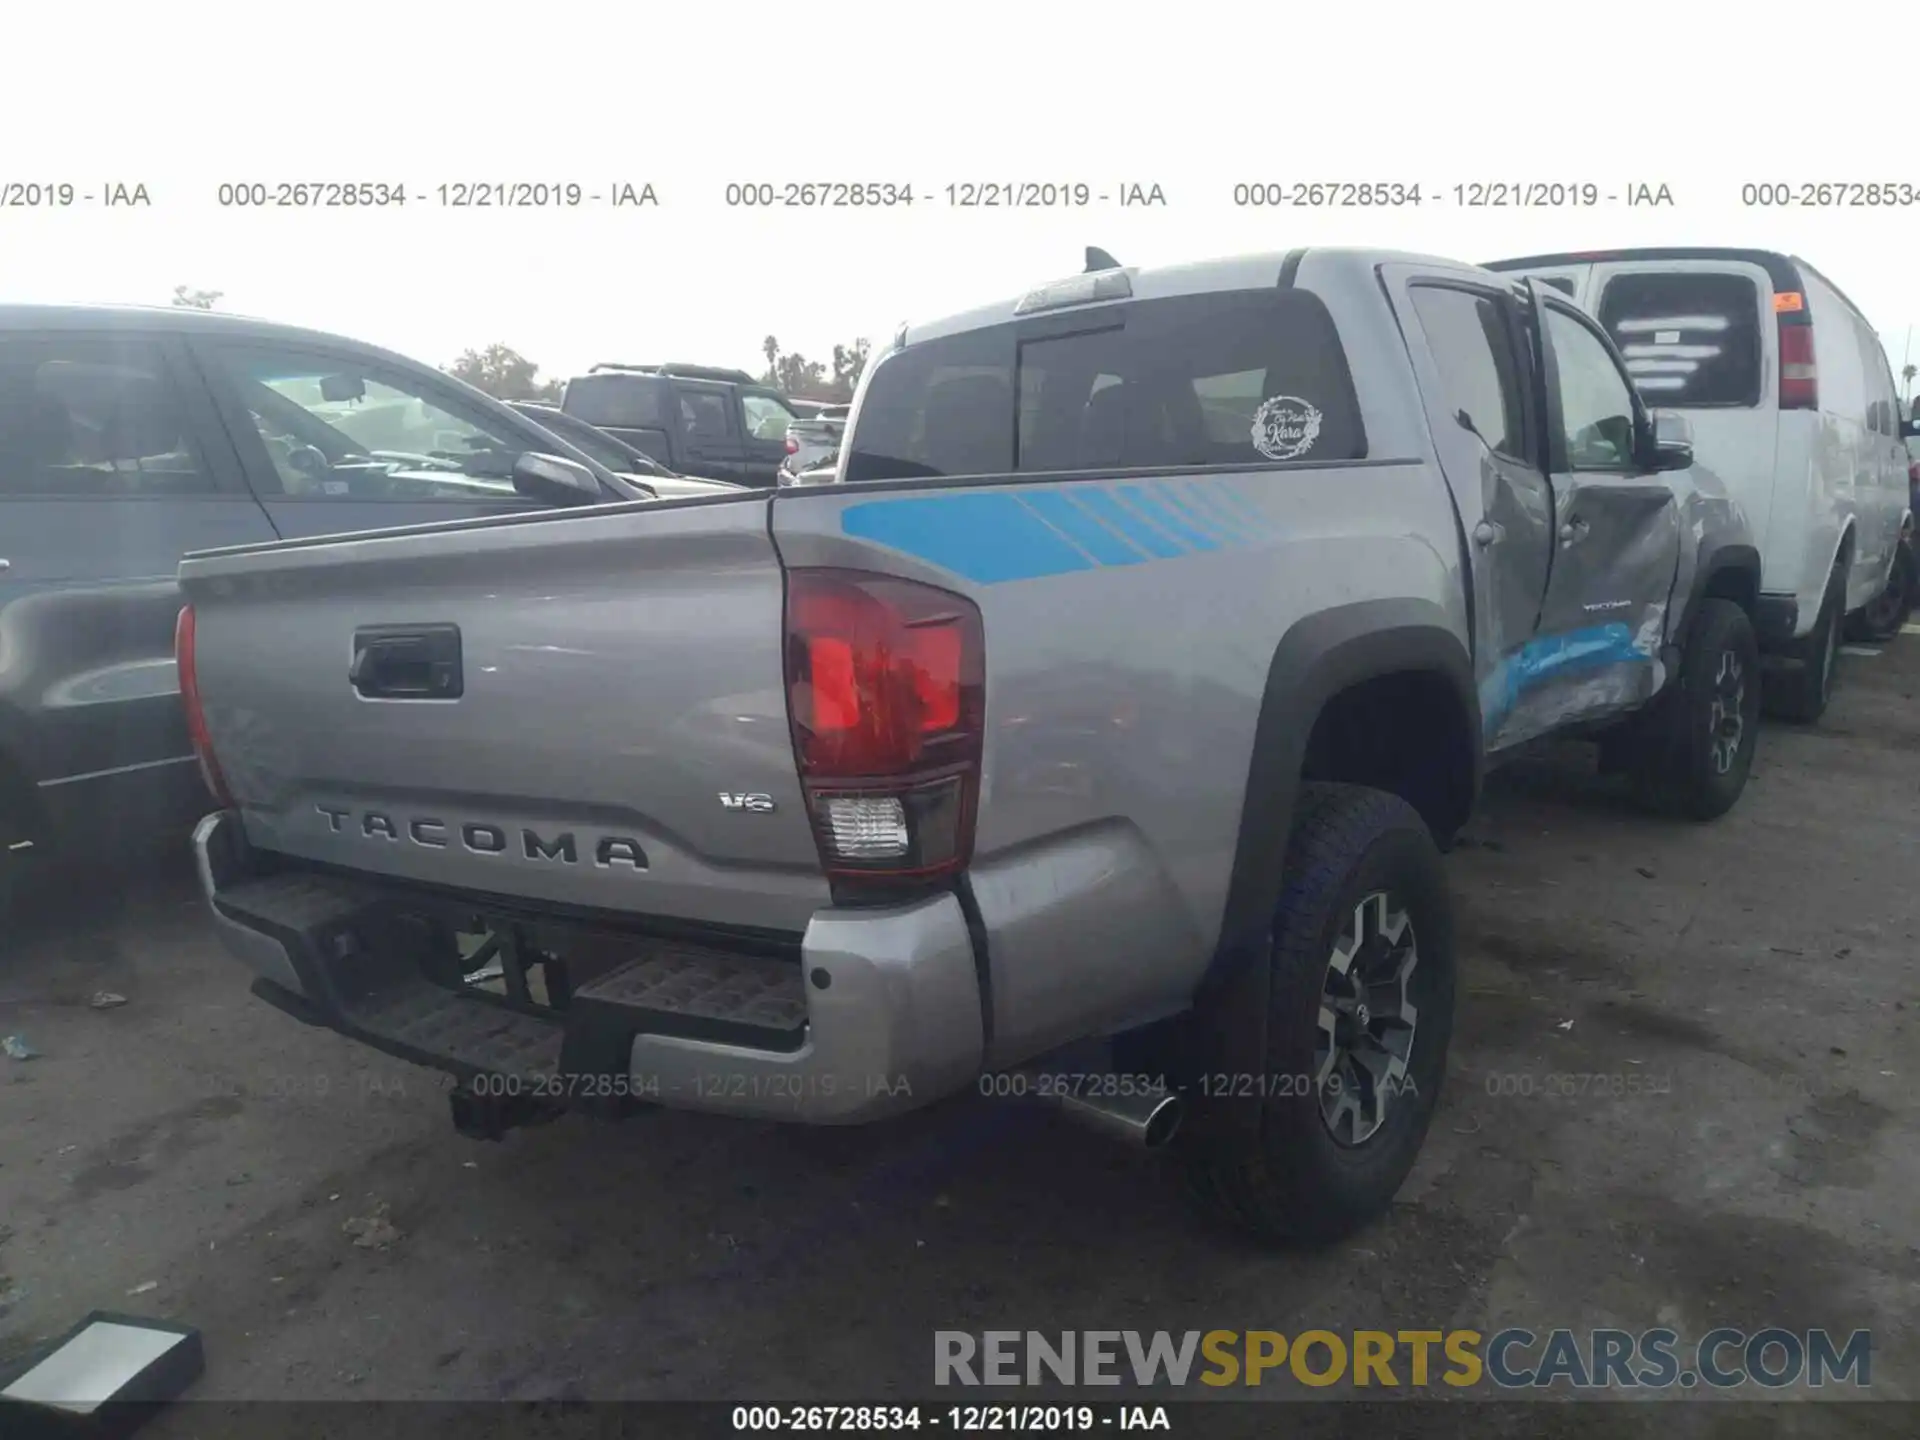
x=1699, y=337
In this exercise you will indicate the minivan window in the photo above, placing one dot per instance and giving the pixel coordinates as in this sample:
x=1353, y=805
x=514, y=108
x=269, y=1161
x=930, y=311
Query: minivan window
x=616, y=401
x=1689, y=337
x=86, y=417
x=1230, y=378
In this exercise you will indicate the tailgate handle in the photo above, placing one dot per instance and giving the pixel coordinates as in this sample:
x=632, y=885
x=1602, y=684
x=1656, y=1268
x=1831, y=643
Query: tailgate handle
x=407, y=662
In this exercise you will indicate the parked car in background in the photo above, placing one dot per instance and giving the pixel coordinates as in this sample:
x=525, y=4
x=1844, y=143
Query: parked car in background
x=1791, y=401
x=129, y=436
x=616, y=455
x=693, y=419
x=811, y=441
x=1101, y=727
x=825, y=471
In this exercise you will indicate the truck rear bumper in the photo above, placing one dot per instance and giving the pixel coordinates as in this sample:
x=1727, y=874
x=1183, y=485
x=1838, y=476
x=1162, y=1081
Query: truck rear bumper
x=880, y=1013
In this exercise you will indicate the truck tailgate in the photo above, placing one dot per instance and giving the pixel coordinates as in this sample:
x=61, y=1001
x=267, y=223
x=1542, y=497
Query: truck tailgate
x=619, y=682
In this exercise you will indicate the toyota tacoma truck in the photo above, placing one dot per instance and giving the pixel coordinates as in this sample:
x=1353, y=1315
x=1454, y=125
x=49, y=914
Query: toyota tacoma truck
x=1095, y=739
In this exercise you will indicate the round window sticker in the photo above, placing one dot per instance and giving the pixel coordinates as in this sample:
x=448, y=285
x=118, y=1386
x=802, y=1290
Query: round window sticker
x=1285, y=427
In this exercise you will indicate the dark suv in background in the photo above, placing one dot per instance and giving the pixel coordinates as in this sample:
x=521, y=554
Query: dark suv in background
x=693, y=419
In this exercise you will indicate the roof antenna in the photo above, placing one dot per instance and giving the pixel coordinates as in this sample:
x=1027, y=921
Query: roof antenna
x=1098, y=259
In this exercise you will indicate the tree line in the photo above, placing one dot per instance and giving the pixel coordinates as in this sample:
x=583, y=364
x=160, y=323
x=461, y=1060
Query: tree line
x=506, y=374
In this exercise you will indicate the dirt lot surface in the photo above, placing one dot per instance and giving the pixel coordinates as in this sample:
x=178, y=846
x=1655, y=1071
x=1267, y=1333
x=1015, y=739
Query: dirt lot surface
x=1744, y=1149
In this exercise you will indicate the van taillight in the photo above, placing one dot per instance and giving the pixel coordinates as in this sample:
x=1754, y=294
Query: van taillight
x=183, y=656
x=793, y=446
x=1799, y=383
x=886, y=698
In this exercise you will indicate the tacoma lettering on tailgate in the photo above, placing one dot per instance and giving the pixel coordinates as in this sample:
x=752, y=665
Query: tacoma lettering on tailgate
x=484, y=839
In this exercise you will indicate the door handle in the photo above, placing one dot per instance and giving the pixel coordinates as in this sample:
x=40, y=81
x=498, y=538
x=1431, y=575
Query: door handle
x=407, y=663
x=1574, y=530
x=1487, y=533
x=5, y=565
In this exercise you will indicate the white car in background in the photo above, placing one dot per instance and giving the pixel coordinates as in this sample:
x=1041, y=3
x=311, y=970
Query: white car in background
x=1791, y=401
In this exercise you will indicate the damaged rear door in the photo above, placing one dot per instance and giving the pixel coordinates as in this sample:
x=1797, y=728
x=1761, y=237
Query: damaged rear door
x=1616, y=542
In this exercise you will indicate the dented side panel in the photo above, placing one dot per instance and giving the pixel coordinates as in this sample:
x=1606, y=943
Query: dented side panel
x=1604, y=621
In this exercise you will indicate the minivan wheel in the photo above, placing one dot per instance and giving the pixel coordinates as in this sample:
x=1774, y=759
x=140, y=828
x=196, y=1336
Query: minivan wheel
x=1883, y=617
x=1801, y=694
x=1695, y=758
x=1359, y=1014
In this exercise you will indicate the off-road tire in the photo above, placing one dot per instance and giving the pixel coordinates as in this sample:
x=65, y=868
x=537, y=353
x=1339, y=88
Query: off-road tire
x=1694, y=756
x=1801, y=694
x=1280, y=1175
x=1882, y=619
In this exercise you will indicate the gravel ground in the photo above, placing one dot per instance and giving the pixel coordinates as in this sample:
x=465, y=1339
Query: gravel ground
x=1743, y=997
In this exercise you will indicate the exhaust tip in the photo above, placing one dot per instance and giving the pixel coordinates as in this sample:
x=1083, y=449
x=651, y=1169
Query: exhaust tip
x=1162, y=1122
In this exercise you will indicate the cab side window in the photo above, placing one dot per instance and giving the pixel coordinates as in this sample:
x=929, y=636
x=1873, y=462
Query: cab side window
x=1596, y=403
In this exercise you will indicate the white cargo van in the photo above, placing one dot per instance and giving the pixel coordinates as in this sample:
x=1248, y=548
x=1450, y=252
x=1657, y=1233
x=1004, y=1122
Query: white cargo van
x=1792, y=403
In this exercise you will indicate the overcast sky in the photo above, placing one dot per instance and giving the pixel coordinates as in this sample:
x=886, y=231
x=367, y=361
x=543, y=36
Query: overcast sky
x=1193, y=98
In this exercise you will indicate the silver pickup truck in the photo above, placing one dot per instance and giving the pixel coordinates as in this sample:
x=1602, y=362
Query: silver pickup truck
x=1095, y=740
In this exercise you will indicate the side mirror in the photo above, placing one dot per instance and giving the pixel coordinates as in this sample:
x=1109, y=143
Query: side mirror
x=554, y=481
x=1669, y=441
x=1910, y=430
x=340, y=389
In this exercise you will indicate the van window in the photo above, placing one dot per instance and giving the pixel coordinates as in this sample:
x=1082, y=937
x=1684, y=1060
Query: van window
x=620, y=401
x=1689, y=337
x=1230, y=378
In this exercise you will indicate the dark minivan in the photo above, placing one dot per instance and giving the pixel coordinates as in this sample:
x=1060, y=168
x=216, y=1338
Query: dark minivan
x=131, y=436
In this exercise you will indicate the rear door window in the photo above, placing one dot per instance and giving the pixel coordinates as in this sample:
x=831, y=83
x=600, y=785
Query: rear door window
x=1689, y=337
x=1470, y=337
x=1232, y=378
x=81, y=416
x=619, y=401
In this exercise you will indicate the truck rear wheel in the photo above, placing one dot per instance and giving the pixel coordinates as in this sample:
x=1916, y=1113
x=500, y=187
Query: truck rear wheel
x=1801, y=694
x=1697, y=753
x=1360, y=1010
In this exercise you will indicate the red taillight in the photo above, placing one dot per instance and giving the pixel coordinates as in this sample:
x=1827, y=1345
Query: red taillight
x=886, y=696
x=793, y=446
x=1799, y=382
x=183, y=655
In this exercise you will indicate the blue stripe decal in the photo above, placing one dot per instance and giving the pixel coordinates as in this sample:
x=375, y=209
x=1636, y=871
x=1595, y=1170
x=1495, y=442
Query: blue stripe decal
x=1163, y=515
x=1057, y=508
x=984, y=537
x=1552, y=656
x=1110, y=510
x=1181, y=500
x=993, y=536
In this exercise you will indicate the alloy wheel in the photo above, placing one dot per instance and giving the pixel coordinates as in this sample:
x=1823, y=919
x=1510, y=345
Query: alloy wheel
x=1367, y=1019
x=1727, y=715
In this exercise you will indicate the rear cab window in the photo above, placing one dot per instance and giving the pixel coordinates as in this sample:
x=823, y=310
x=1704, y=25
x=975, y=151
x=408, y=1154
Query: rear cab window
x=1231, y=378
x=1691, y=338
